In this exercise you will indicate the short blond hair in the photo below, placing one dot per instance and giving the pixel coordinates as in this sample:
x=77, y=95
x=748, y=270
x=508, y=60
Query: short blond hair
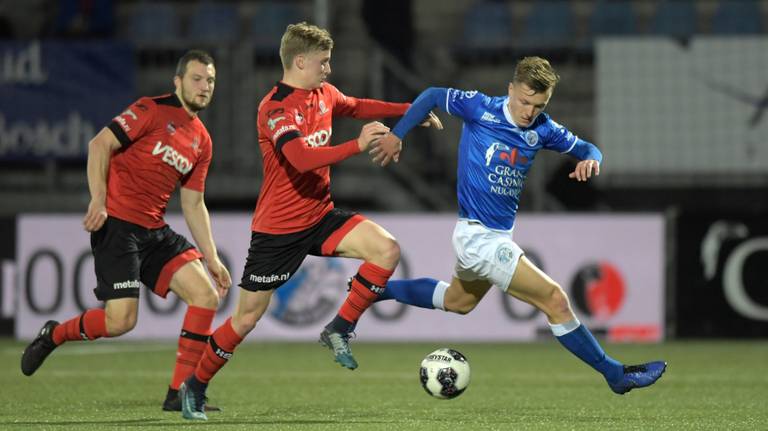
x=536, y=73
x=303, y=38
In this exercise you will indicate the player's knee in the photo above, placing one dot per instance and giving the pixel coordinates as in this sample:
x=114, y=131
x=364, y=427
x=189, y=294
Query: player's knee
x=557, y=303
x=460, y=305
x=205, y=298
x=389, y=251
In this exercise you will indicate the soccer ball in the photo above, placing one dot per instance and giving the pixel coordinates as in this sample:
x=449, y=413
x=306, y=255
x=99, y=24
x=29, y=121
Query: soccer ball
x=444, y=373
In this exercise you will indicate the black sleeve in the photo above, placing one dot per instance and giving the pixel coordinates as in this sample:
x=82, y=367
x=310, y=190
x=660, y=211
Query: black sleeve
x=125, y=141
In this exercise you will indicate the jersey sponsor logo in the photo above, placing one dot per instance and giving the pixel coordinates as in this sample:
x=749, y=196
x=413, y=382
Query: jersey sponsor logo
x=131, y=114
x=487, y=116
x=496, y=146
x=531, y=138
x=272, y=122
x=269, y=278
x=283, y=130
x=128, y=284
x=319, y=138
x=172, y=158
x=298, y=117
x=508, y=155
x=170, y=127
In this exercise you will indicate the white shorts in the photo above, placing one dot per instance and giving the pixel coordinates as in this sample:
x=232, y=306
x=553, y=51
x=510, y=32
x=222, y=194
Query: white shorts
x=485, y=254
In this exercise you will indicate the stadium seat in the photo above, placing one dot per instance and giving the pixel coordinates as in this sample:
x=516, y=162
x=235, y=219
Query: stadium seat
x=675, y=18
x=488, y=26
x=737, y=17
x=154, y=22
x=549, y=24
x=215, y=22
x=269, y=22
x=613, y=17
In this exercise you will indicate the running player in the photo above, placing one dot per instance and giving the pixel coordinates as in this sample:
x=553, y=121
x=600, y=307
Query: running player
x=499, y=140
x=294, y=215
x=134, y=165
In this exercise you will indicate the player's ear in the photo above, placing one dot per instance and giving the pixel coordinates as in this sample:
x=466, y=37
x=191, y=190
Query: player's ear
x=177, y=81
x=299, y=61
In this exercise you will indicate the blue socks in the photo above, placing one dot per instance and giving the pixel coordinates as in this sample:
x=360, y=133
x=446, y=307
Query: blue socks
x=419, y=292
x=577, y=338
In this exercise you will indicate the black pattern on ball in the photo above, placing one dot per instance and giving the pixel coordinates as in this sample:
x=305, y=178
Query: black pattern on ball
x=447, y=378
x=424, y=377
x=457, y=355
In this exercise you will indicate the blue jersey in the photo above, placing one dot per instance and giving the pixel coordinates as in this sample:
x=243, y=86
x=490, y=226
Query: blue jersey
x=494, y=154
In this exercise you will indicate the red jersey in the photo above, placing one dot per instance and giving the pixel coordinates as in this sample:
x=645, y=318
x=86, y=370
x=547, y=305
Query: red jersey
x=162, y=145
x=294, y=128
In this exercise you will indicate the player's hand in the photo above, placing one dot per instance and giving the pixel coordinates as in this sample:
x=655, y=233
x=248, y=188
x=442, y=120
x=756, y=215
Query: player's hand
x=96, y=216
x=584, y=170
x=386, y=149
x=220, y=276
x=432, y=120
x=370, y=133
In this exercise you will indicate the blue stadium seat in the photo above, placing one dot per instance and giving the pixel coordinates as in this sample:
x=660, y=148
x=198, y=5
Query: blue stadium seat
x=154, y=22
x=613, y=17
x=215, y=22
x=269, y=22
x=549, y=24
x=675, y=18
x=488, y=26
x=737, y=17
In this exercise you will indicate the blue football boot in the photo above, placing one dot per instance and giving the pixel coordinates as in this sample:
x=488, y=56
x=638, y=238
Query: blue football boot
x=638, y=376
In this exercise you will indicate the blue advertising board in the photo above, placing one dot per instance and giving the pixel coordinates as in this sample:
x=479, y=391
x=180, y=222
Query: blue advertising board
x=56, y=95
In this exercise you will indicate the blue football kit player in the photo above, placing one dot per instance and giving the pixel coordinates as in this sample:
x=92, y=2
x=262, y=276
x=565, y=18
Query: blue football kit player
x=499, y=141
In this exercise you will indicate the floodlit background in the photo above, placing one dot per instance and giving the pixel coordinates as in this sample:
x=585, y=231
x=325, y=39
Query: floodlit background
x=668, y=246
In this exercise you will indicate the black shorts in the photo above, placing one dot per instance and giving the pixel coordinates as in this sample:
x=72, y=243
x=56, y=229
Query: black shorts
x=273, y=259
x=126, y=254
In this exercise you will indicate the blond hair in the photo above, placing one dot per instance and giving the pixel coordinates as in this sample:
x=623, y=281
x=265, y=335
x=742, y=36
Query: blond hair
x=536, y=73
x=303, y=38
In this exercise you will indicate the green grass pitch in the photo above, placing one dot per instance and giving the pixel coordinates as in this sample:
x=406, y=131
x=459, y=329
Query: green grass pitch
x=295, y=386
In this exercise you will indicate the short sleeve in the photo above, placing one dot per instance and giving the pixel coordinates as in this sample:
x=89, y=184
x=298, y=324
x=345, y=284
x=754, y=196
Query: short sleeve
x=559, y=138
x=134, y=122
x=279, y=123
x=464, y=104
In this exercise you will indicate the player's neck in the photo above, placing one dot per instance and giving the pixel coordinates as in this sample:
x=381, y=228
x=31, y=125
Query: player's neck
x=191, y=113
x=294, y=81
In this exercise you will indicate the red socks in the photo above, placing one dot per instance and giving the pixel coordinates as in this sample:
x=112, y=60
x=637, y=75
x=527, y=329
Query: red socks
x=369, y=281
x=192, y=341
x=90, y=325
x=218, y=351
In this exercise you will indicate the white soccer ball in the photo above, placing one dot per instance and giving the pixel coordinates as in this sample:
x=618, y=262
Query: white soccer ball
x=444, y=373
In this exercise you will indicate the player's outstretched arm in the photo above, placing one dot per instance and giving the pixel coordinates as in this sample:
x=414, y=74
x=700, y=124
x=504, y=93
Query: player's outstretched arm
x=389, y=147
x=199, y=222
x=100, y=150
x=305, y=158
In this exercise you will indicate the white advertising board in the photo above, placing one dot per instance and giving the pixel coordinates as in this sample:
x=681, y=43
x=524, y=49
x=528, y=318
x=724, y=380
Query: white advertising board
x=611, y=265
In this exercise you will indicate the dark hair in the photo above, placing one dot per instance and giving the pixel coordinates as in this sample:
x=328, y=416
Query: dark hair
x=192, y=54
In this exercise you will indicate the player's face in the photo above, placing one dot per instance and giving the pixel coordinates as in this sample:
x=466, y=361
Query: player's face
x=525, y=104
x=196, y=87
x=316, y=67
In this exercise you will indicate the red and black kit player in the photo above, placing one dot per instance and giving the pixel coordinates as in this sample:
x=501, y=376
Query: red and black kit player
x=134, y=164
x=295, y=216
